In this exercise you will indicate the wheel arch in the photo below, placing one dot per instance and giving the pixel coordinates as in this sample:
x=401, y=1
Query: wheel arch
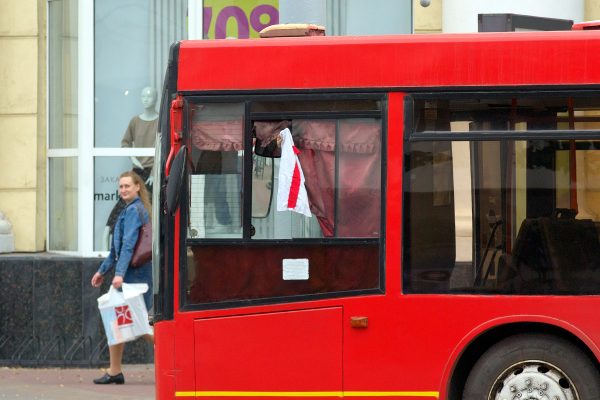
x=486, y=338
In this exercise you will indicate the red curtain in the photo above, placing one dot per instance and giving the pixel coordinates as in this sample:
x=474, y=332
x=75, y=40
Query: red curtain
x=358, y=209
x=218, y=135
x=359, y=174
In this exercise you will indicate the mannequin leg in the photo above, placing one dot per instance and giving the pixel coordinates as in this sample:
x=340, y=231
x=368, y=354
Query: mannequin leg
x=116, y=358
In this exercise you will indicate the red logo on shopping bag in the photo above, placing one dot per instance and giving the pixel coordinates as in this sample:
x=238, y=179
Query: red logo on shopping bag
x=123, y=315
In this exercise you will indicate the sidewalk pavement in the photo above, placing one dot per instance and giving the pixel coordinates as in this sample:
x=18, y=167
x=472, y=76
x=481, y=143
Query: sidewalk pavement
x=75, y=384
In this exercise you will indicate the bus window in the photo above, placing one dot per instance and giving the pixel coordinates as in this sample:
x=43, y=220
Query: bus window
x=263, y=182
x=516, y=216
x=216, y=134
x=526, y=238
x=239, y=251
x=463, y=113
x=344, y=200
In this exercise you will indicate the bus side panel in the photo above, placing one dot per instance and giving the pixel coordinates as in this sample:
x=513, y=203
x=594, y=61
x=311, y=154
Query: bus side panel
x=280, y=352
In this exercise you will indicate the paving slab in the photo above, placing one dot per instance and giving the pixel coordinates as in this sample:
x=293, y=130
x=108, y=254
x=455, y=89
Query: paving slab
x=75, y=384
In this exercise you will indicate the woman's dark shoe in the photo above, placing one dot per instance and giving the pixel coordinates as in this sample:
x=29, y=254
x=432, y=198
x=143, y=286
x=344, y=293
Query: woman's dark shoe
x=119, y=379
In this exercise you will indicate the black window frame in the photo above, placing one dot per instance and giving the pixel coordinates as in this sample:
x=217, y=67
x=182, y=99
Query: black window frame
x=247, y=99
x=412, y=134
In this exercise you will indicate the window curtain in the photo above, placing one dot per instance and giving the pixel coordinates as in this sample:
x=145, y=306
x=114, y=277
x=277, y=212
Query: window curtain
x=217, y=135
x=358, y=209
x=357, y=143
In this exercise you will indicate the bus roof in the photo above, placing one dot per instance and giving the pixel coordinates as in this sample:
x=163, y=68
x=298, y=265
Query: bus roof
x=395, y=61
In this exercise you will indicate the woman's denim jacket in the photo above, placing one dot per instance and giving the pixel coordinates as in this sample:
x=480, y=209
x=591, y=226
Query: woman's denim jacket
x=125, y=236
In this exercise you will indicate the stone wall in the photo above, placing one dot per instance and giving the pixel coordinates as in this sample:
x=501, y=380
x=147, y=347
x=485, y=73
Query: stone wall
x=49, y=314
x=23, y=120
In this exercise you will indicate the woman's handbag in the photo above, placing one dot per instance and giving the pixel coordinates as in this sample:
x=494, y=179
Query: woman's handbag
x=142, y=252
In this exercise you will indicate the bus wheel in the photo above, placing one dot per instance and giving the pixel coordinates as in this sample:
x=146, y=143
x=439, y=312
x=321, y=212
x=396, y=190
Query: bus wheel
x=533, y=367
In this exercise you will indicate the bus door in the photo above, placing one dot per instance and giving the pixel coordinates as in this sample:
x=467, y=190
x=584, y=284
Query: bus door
x=264, y=277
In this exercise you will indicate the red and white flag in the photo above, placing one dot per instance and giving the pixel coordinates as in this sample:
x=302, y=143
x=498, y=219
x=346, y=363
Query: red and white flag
x=291, y=194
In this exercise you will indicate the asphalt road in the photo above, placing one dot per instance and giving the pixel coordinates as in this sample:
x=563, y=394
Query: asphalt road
x=75, y=384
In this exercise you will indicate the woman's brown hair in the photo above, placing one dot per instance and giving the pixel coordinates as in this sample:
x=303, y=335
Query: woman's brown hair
x=144, y=195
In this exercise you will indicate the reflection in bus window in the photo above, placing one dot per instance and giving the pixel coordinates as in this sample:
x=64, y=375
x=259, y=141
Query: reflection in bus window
x=523, y=216
x=527, y=236
x=469, y=114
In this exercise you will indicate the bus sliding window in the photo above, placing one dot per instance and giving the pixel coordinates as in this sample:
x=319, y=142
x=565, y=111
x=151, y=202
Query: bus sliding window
x=463, y=113
x=216, y=135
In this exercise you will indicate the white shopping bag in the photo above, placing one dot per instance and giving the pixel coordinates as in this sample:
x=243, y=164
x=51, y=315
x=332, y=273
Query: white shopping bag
x=124, y=313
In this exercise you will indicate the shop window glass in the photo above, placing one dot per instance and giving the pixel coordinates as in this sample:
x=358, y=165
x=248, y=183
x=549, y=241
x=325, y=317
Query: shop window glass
x=63, y=204
x=132, y=40
x=62, y=124
x=131, y=45
x=107, y=202
x=62, y=74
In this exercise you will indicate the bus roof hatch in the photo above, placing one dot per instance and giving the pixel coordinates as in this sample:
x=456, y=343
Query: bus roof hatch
x=292, y=30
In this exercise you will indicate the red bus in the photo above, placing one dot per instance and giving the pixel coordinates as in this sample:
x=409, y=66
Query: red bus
x=452, y=250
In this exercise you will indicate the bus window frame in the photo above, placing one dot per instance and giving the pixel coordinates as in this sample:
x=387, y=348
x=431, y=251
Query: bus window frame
x=410, y=135
x=185, y=242
x=164, y=266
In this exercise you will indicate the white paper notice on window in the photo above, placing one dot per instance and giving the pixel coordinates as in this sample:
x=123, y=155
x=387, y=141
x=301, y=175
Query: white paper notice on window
x=295, y=269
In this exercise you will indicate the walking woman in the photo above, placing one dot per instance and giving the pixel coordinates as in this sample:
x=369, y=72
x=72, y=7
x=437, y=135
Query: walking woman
x=136, y=213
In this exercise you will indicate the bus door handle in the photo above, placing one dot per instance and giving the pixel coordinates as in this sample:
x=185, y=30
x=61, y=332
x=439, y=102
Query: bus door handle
x=359, y=322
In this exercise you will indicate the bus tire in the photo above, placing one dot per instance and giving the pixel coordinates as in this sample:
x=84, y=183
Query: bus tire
x=533, y=366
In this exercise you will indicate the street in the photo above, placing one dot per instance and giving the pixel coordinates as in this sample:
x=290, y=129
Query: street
x=75, y=384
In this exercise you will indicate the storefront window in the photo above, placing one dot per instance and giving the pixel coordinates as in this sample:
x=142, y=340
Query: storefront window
x=62, y=73
x=107, y=203
x=62, y=125
x=131, y=45
x=63, y=206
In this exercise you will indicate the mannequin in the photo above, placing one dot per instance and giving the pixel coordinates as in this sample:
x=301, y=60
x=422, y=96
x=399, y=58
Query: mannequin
x=141, y=132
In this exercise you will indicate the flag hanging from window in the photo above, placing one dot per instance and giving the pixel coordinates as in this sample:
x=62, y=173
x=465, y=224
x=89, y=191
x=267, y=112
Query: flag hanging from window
x=291, y=194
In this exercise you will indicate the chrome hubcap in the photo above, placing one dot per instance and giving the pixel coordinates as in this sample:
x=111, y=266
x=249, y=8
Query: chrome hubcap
x=533, y=380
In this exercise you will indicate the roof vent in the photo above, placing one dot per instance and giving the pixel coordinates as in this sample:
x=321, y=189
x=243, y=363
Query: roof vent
x=292, y=30
x=586, y=26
